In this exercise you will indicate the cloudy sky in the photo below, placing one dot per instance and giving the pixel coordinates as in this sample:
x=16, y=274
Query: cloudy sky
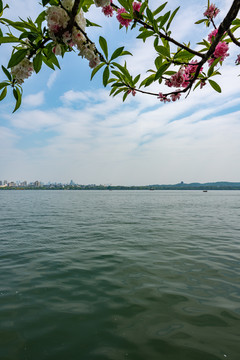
x=69, y=128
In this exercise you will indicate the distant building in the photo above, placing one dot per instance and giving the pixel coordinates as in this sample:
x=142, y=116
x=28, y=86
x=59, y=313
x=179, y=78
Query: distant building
x=11, y=184
x=0, y=182
x=37, y=183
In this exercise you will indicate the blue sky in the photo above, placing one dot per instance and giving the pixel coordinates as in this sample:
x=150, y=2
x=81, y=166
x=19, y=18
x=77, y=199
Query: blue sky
x=69, y=127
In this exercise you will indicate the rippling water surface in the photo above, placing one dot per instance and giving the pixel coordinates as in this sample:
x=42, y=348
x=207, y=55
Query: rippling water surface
x=136, y=275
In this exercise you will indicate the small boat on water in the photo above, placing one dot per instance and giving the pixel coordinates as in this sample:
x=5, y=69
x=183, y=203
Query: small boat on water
x=204, y=190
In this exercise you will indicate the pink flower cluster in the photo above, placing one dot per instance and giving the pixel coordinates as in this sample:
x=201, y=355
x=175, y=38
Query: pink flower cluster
x=164, y=98
x=212, y=35
x=108, y=10
x=221, y=51
x=125, y=22
x=211, y=12
x=132, y=91
x=183, y=76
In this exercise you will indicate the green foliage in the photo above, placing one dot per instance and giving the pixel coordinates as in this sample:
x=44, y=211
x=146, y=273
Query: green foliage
x=7, y=73
x=215, y=86
x=17, y=57
x=103, y=44
x=37, y=62
x=3, y=94
x=18, y=96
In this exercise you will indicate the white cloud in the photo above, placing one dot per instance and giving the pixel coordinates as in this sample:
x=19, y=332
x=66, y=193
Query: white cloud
x=52, y=78
x=34, y=100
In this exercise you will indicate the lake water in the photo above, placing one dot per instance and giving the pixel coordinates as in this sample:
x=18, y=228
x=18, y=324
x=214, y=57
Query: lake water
x=111, y=275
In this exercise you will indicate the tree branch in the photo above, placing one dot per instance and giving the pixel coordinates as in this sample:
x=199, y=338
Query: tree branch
x=232, y=37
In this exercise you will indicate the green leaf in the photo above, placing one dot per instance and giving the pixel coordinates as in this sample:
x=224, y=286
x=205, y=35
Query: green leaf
x=183, y=55
x=45, y=2
x=164, y=19
x=161, y=70
x=126, y=16
x=172, y=17
x=136, y=79
x=48, y=62
x=163, y=51
x=18, y=97
x=211, y=69
x=126, y=53
x=197, y=84
x=148, y=81
x=124, y=4
x=158, y=62
x=3, y=94
x=117, y=53
x=118, y=91
x=54, y=60
x=143, y=7
x=90, y=23
x=236, y=22
x=9, y=39
x=215, y=86
x=103, y=44
x=40, y=19
x=7, y=73
x=95, y=70
x=145, y=34
x=37, y=62
x=3, y=84
x=124, y=71
x=159, y=9
x=200, y=21
x=17, y=57
x=125, y=95
x=1, y=6
x=105, y=76
x=149, y=15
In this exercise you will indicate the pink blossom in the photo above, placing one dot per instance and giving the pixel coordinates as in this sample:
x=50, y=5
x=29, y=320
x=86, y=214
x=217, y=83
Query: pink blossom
x=211, y=11
x=237, y=62
x=212, y=35
x=108, y=10
x=178, y=78
x=136, y=6
x=163, y=98
x=132, y=91
x=183, y=76
x=191, y=69
x=123, y=22
x=175, y=96
x=220, y=52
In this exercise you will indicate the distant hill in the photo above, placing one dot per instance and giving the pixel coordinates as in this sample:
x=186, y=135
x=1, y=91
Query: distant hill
x=220, y=185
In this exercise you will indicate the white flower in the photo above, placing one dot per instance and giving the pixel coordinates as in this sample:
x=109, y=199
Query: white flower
x=78, y=38
x=57, y=18
x=57, y=50
x=22, y=70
